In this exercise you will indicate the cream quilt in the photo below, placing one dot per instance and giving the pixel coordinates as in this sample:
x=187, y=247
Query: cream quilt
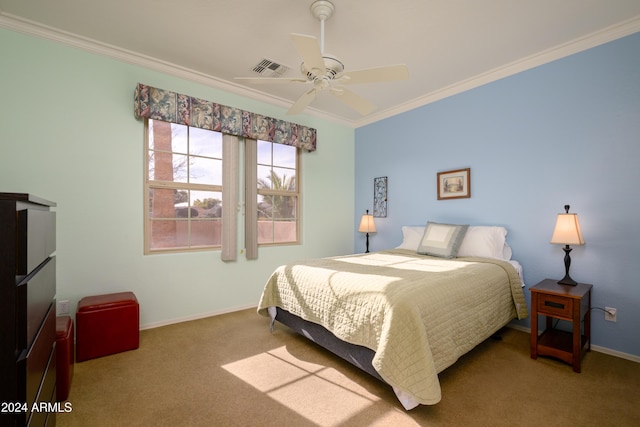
x=418, y=313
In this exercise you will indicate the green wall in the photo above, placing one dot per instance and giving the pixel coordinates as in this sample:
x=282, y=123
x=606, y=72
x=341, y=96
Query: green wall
x=69, y=135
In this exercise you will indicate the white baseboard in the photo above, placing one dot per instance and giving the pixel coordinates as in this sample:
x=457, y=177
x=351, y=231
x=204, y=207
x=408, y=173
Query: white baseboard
x=597, y=348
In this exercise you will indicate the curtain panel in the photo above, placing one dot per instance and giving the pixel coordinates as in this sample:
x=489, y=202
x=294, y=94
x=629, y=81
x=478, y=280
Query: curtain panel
x=160, y=104
x=251, y=198
x=230, y=186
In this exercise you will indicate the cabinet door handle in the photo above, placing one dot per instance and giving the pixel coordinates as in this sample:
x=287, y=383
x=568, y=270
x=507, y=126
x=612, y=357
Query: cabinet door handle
x=553, y=304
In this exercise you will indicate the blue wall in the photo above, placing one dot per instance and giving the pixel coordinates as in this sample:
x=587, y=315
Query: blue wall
x=567, y=132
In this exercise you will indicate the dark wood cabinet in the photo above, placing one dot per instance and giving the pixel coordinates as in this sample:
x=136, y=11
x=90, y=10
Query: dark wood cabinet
x=27, y=310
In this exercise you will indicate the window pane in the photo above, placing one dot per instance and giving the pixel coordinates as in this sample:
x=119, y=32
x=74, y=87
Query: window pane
x=264, y=152
x=205, y=171
x=162, y=203
x=284, y=155
x=167, y=136
x=179, y=166
x=284, y=232
x=206, y=232
x=165, y=234
x=264, y=207
x=276, y=178
x=265, y=231
x=159, y=135
x=284, y=179
x=264, y=177
x=167, y=167
x=283, y=208
x=207, y=203
x=206, y=143
x=179, y=138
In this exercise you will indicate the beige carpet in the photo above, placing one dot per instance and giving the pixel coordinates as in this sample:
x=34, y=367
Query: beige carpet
x=228, y=370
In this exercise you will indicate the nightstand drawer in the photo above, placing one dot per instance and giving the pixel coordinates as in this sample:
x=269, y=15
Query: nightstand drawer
x=555, y=305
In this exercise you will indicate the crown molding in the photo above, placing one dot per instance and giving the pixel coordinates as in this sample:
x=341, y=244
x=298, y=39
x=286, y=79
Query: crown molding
x=597, y=38
x=589, y=41
x=36, y=29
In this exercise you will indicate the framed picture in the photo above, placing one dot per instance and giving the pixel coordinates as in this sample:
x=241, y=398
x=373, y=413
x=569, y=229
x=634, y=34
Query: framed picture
x=454, y=184
x=380, y=197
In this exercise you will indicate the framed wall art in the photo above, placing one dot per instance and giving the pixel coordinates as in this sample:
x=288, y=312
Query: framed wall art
x=454, y=184
x=380, y=197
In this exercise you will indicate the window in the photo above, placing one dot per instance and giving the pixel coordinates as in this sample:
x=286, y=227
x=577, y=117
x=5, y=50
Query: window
x=183, y=186
x=278, y=193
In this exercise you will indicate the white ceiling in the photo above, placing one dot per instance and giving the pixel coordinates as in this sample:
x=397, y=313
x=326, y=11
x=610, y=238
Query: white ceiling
x=448, y=45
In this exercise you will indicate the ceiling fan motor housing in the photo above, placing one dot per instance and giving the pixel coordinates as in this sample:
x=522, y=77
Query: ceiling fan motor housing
x=332, y=67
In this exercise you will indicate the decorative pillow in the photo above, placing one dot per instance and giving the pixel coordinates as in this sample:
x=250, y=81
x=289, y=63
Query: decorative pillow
x=442, y=240
x=411, y=237
x=485, y=241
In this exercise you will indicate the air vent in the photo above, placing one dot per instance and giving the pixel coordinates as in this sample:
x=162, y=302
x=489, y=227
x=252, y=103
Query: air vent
x=269, y=68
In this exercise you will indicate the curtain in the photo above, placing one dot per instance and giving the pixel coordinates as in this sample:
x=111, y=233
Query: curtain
x=251, y=198
x=160, y=104
x=230, y=155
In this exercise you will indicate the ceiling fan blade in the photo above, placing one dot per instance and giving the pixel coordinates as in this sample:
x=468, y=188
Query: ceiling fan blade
x=354, y=101
x=263, y=80
x=302, y=102
x=309, y=50
x=377, y=74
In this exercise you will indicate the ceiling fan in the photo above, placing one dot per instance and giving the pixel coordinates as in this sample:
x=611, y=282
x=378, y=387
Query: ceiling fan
x=326, y=71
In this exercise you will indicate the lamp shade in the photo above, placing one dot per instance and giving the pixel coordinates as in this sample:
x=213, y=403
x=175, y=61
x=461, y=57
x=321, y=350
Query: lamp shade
x=367, y=225
x=567, y=231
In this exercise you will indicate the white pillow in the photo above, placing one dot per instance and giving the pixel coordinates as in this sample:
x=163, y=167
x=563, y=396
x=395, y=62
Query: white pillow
x=482, y=241
x=486, y=242
x=411, y=237
x=506, y=252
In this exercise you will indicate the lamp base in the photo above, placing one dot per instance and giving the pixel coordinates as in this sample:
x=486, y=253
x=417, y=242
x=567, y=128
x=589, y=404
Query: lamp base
x=567, y=281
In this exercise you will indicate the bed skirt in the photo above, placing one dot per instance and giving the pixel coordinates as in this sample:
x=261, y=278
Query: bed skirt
x=357, y=355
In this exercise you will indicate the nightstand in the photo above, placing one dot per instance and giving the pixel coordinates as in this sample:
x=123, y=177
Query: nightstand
x=570, y=303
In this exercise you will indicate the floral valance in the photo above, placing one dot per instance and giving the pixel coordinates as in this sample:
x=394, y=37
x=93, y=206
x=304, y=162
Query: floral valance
x=160, y=104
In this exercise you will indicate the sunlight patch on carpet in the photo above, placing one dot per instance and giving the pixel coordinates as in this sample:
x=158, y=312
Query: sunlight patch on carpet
x=287, y=380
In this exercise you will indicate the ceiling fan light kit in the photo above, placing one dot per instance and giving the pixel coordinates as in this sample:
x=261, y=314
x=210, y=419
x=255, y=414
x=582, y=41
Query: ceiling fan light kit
x=326, y=71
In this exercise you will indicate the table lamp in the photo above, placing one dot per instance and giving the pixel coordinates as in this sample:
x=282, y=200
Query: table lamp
x=367, y=226
x=567, y=232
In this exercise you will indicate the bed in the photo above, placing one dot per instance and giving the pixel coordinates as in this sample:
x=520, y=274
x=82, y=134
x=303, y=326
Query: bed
x=404, y=314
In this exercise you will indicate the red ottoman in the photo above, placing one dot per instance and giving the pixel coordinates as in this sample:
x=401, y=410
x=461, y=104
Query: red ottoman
x=64, y=356
x=107, y=324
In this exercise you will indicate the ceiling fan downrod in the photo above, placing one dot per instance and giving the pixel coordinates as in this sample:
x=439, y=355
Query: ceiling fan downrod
x=322, y=10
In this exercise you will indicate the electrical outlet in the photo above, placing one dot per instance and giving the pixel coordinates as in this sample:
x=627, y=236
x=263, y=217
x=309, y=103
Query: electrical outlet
x=610, y=314
x=63, y=307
